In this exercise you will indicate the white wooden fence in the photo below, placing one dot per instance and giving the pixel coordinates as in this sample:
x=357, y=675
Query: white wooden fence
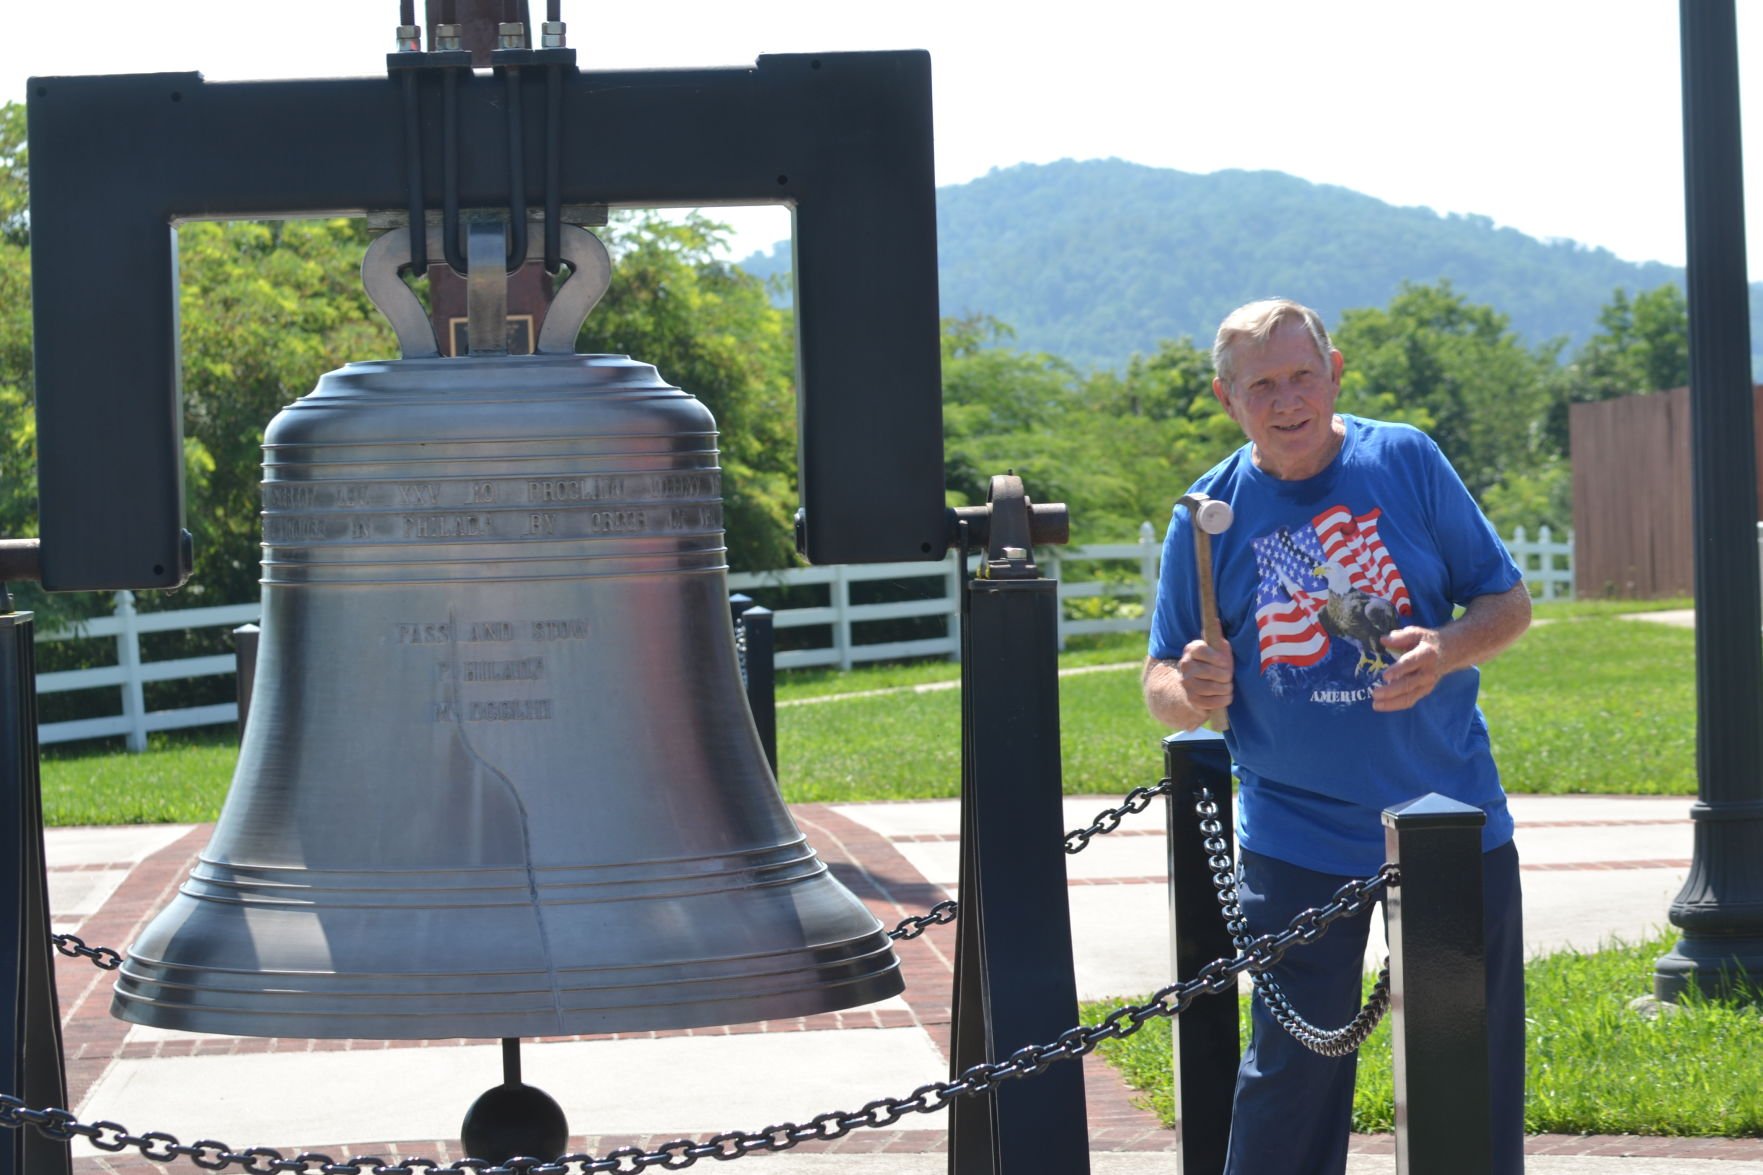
x=1135, y=593
x=1130, y=587
x=130, y=673
x=1547, y=564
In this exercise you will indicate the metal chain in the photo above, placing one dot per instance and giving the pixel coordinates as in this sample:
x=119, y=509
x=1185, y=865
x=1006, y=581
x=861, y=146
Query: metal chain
x=741, y=648
x=1329, y=1042
x=1136, y=801
x=938, y=915
x=1218, y=976
x=74, y=947
x=1076, y=841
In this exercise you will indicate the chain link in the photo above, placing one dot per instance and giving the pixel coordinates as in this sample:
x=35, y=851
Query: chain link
x=1328, y=1042
x=938, y=915
x=74, y=947
x=741, y=647
x=1076, y=841
x=1218, y=976
x=1136, y=801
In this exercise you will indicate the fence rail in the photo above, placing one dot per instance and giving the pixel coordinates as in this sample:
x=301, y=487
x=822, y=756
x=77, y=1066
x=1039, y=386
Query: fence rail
x=1109, y=587
x=1134, y=594
x=1546, y=563
x=130, y=674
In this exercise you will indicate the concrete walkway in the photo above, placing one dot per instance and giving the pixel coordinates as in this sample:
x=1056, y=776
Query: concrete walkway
x=1593, y=869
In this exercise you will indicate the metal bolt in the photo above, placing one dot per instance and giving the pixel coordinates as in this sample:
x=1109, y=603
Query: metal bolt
x=553, y=31
x=409, y=38
x=446, y=38
x=511, y=34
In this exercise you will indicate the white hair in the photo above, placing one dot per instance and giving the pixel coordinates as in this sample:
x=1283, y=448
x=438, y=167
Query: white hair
x=1255, y=323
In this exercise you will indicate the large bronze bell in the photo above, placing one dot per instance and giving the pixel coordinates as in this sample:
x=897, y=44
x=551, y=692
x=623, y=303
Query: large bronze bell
x=499, y=777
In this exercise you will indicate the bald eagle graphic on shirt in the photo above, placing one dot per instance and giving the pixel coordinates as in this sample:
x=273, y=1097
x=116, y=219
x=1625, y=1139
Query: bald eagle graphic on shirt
x=1327, y=594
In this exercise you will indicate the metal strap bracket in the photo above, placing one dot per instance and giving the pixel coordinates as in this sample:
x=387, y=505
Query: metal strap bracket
x=590, y=275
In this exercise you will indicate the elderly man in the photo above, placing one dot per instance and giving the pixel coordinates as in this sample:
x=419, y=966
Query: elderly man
x=1350, y=685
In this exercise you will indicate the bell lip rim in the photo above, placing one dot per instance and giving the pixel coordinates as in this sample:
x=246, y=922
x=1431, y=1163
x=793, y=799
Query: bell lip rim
x=886, y=983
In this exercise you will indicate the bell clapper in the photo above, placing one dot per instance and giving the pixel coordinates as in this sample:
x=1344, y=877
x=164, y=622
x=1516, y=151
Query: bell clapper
x=514, y=1120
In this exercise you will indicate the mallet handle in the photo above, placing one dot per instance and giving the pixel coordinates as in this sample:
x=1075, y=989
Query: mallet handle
x=1211, y=629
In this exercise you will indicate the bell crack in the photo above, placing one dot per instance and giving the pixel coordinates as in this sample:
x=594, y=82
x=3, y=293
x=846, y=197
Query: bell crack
x=526, y=839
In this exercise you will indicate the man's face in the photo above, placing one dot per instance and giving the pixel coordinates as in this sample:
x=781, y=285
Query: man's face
x=1283, y=399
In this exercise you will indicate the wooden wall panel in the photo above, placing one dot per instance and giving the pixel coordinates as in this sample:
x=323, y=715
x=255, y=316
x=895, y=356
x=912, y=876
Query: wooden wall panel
x=1631, y=495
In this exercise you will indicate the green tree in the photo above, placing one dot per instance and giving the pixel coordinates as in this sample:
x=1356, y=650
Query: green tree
x=1458, y=370
x=709, y=328
x=266, y=308
x=15, y=184
x=1024, y=411
x=1116, y=449
x=1642, y=345
x=1160, y=427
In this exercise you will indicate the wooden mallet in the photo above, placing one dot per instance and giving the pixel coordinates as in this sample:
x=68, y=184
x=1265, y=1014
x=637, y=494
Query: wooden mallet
x=1209, y=516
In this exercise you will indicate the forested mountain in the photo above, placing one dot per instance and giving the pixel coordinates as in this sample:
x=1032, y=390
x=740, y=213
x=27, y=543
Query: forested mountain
x=1095, y=261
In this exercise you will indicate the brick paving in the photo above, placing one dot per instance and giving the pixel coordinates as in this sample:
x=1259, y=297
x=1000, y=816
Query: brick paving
x=866, y=861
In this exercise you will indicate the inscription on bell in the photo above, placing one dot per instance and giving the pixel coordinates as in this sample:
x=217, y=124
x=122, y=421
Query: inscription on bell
x=618, y=522
x=472, y=672
x=685, y=485
x=510, y=710
x=470, y=632
x=560, y=630
x=282, y=528
x=445, y=526
x=424, y=634
x=521, y=669
x=575, y=489
x=694, y=517
x=289, y=497
x=610, y=488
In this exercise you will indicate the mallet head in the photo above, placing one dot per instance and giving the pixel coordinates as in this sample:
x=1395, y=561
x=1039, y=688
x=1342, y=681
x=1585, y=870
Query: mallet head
x=1209, y=514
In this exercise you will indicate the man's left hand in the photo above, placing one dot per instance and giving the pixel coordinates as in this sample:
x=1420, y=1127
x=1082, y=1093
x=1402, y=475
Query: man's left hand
x=1418, y=667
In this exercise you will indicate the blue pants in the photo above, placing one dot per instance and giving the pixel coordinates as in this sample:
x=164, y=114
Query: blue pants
x=1292, y=1107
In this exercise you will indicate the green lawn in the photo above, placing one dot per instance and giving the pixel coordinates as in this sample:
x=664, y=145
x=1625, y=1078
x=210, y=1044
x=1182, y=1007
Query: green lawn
x=1594, y=1067
x=179, y=779
x=1595, y=705
x=1587, y=703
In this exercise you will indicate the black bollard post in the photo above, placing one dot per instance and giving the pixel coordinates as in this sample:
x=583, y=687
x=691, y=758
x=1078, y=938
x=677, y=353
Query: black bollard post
x=762, y=678
x=738, y=604
x=245, y=668
x=1207, y=1045
x=31, y=1064
x=1438, y=987
x=1014, y=982
x=754, y=647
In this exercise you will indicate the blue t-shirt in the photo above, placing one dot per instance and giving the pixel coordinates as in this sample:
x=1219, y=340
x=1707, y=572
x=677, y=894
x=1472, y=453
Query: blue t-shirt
x=1309, y=576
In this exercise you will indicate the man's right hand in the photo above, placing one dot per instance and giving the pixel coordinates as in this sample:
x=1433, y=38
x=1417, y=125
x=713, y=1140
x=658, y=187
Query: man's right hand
x=1187, y=691
x=1206, y=673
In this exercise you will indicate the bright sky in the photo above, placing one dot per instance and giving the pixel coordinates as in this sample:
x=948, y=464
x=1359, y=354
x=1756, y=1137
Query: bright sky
x=1560, y=118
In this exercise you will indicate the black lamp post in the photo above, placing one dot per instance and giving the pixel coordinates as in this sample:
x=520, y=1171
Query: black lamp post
x=1720, y=909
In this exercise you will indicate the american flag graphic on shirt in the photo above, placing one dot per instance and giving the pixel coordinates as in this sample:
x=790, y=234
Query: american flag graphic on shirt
x=1292, y=588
